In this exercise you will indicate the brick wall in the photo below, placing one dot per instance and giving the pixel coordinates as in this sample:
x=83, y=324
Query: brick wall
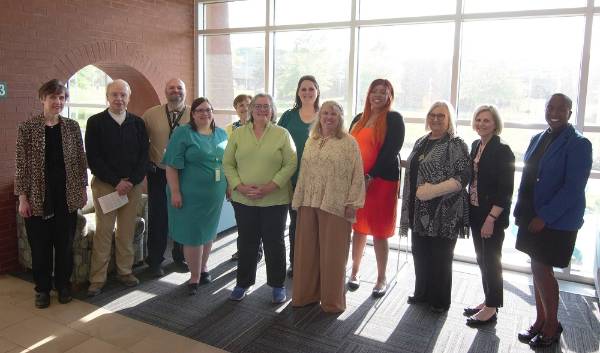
x=145, y=42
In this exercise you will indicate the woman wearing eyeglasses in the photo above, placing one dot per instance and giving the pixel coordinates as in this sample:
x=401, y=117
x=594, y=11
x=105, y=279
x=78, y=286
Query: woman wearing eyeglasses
x=259, y=161
x=435, y=206
x=196, y=188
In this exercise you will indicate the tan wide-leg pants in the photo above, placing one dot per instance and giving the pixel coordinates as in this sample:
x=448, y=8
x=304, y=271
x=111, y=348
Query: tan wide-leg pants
x=105, y=224
x=321, y=253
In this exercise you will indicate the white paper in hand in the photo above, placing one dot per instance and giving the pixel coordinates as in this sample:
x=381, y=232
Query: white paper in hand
x=112, y=201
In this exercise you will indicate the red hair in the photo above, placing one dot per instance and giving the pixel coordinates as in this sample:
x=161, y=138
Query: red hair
x=381, y=121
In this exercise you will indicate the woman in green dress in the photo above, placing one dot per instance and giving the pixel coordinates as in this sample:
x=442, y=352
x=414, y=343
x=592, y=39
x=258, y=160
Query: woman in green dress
x=196, y=188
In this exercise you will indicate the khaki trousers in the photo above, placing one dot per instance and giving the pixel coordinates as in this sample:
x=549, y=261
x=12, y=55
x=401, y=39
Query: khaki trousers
x=321, y=253
x=105, y=225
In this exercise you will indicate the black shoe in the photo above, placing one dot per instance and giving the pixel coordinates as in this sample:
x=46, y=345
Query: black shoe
x=354, y=284
x=181, y=267
x=64, y=295
x=541, y=341
x=438, y=309
x=156, y=271
x=205, y=278
x=470, y=311
x=192, y=288
x=234, y=257
x=527, y=335
x=472, y=321
x=415, y=300
x=379, y=292
x=290, y=272
x=42, y=300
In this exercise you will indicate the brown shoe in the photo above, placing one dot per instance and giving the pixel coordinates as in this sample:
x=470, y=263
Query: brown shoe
x=94, y=289
x=128, y=280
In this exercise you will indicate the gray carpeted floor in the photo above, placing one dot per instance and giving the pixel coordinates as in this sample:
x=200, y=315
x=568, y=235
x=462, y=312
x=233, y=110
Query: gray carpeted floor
x=368, y=325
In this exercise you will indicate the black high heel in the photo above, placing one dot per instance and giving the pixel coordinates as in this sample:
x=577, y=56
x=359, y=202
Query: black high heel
x=541, y=341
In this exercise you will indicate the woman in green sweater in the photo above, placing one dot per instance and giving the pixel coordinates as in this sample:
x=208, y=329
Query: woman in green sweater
x=259, y=161
x=298, y=122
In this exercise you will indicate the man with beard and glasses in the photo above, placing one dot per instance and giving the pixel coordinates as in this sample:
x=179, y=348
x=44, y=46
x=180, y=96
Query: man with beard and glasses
x=160, y=122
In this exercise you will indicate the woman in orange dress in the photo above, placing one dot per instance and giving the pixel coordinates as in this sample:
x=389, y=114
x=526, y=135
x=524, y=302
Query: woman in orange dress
x=379, y=132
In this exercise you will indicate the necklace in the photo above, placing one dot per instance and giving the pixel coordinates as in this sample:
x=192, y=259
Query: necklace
x=323, y=141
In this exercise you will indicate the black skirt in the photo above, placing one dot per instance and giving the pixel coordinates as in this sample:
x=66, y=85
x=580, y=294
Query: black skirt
x=550, y=246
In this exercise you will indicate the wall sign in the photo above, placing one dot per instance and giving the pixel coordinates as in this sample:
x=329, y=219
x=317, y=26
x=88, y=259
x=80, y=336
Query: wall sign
x=3, y=90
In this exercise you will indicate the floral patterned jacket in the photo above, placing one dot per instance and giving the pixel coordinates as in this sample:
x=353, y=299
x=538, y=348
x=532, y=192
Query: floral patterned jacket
x=30, y=163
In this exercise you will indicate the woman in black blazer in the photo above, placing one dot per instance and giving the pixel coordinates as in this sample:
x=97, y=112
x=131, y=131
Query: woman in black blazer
x=490, y=192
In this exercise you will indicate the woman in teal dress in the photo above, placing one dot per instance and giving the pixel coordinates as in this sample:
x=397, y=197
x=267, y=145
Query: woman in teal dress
x=298, y=122
x=196, y=188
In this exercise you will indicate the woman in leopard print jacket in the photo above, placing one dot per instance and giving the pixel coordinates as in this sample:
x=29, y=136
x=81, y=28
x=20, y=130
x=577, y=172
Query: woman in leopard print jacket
x=50, y=180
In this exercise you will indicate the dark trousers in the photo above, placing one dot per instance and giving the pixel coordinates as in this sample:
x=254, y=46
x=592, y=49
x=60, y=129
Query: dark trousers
x=292, y=233
x=158, y=226
x=255, y=224
x=489, y=257
x=51, y=243
x=432, y=258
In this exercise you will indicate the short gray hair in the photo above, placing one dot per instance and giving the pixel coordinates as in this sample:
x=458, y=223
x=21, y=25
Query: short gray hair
x=121, y=81
x=273, y=110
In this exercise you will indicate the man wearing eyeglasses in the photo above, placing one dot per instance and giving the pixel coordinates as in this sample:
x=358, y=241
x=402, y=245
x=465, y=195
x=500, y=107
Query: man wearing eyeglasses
x=160, y=122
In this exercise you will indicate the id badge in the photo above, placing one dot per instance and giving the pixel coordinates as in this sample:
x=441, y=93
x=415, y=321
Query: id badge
x=217, y=174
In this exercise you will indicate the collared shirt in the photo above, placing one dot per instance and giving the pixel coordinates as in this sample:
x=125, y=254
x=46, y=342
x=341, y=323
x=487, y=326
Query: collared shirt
x=253, y=161
x=157, y=126
x=119, y=118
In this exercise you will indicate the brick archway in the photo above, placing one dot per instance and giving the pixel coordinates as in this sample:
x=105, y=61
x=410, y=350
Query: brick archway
x=118, y=60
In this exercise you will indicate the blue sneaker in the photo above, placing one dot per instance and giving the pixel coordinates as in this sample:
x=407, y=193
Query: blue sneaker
x=279, y=295
x=239, y=293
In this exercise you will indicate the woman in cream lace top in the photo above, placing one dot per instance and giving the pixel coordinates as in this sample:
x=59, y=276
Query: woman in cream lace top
x=330, y=189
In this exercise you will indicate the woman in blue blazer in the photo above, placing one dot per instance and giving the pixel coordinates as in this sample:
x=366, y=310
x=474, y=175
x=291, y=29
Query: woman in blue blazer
x=550, y=209
x=490, y=195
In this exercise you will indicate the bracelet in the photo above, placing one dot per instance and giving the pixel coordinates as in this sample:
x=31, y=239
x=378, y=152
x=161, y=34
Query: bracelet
x=491, y=215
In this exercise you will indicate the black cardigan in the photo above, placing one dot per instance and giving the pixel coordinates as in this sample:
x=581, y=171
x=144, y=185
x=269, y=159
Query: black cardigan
x=114, y=151
x=495, y=178
x=387, y=164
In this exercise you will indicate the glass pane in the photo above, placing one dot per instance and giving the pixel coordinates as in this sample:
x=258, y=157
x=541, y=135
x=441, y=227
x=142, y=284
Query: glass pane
x=81, y=114
x=518, y=64
x=323, y=54
x=516, y=5
x=594, y=138
x=311, y=11
x=88, y=86
x=235, y=14
x=420, y=69
x=582, y=261
x=592, y=110
x=374, y=9
x=234, y=64
x=221, y=120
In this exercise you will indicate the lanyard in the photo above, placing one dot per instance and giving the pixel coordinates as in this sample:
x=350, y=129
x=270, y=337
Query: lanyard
x=173, y=121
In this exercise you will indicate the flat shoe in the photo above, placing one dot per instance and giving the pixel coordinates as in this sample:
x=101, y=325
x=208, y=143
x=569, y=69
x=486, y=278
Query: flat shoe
x=470, y=311
x=192, y=288
x=42, y=300
x=353, y=284
x=379, y=292
x=472, y=321
x=205, y=278
x=413, y=299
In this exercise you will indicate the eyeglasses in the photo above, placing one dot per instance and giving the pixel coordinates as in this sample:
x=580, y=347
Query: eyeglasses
x=205, y=111
x=262, y=107
x=433, y=116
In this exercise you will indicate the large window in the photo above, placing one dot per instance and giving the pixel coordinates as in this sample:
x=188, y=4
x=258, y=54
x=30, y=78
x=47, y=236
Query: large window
x=511, y=53
x=87, y=90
